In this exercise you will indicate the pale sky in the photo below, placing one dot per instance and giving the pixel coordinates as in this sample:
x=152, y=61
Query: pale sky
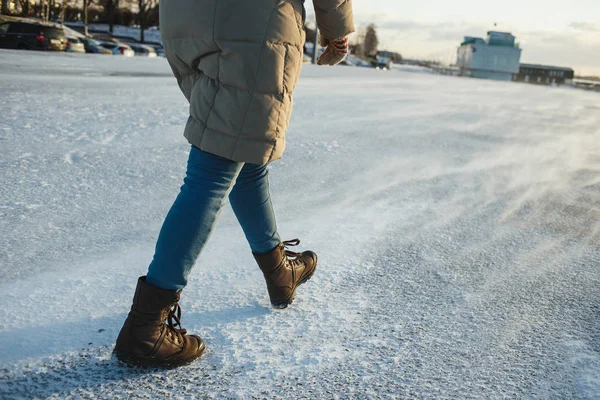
x=564, y=33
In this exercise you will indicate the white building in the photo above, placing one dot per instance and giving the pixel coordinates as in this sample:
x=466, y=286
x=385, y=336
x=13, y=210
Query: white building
x=497, y=58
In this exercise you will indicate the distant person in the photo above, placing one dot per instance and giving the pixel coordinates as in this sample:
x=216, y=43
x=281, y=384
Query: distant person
x=237, y=63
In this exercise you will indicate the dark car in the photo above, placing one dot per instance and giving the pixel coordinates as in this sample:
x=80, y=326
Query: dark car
x=32, y=36
x=92, y=46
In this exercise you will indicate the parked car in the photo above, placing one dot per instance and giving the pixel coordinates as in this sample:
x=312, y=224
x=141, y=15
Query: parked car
x=121, y=49
x=143, y=50
x=26, y=35
x=93, y=46
x=384, y=63
x=104, y=37
x=158, y=48
x=75, y=45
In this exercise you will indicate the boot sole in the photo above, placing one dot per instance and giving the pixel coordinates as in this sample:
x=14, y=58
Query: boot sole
x=290, y=300
x=149, y=362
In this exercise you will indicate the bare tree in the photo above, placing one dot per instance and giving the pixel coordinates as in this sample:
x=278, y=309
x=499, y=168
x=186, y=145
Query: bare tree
x=110, y=7
x=63, y=8
x=5, y=7
x=371, y=41
x=86, y=7
x=24, y=5
x=145, y=7
x=45, y=9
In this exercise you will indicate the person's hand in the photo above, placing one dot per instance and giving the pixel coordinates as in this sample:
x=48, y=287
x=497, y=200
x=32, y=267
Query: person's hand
x=336, y=50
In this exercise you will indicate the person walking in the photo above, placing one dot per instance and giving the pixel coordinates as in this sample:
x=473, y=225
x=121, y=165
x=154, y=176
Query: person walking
x=237, y=63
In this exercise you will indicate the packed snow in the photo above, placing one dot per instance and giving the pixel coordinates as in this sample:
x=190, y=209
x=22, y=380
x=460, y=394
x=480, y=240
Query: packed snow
x=456, y=222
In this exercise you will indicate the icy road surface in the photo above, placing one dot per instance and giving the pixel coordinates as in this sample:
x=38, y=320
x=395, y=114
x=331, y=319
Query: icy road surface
x=456, y=222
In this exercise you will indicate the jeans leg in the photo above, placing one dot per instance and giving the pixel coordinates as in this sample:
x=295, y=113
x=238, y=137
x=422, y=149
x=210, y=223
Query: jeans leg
x=192, y=218
x=251, y=203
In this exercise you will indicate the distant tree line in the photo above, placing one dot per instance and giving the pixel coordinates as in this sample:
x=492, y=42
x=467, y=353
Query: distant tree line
x=143, y=13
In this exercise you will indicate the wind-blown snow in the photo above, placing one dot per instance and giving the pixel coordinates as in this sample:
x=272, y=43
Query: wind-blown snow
x=456, y=222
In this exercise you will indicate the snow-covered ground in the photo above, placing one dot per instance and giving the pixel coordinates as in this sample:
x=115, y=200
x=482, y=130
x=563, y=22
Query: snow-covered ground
x=456, y=222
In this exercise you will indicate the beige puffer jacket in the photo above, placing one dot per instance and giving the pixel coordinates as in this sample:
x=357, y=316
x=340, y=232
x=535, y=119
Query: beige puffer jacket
x=237, y=62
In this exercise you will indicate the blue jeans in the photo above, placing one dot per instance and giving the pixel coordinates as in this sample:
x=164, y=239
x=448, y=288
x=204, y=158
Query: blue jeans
x=192, y=218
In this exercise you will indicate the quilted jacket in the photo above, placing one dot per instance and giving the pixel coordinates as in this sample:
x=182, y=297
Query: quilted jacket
x=237, y=63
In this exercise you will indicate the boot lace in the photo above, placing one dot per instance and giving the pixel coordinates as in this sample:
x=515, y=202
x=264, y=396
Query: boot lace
x=291, y=243
x=174, y=322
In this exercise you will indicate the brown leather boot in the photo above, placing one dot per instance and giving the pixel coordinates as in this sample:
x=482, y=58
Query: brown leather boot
x=145, y=340
x=285, y=270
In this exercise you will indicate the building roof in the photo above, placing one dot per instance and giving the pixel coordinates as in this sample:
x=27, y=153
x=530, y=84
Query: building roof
x=539, y=66
x=471, y=40
x=494, y=38
x=500, y=33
